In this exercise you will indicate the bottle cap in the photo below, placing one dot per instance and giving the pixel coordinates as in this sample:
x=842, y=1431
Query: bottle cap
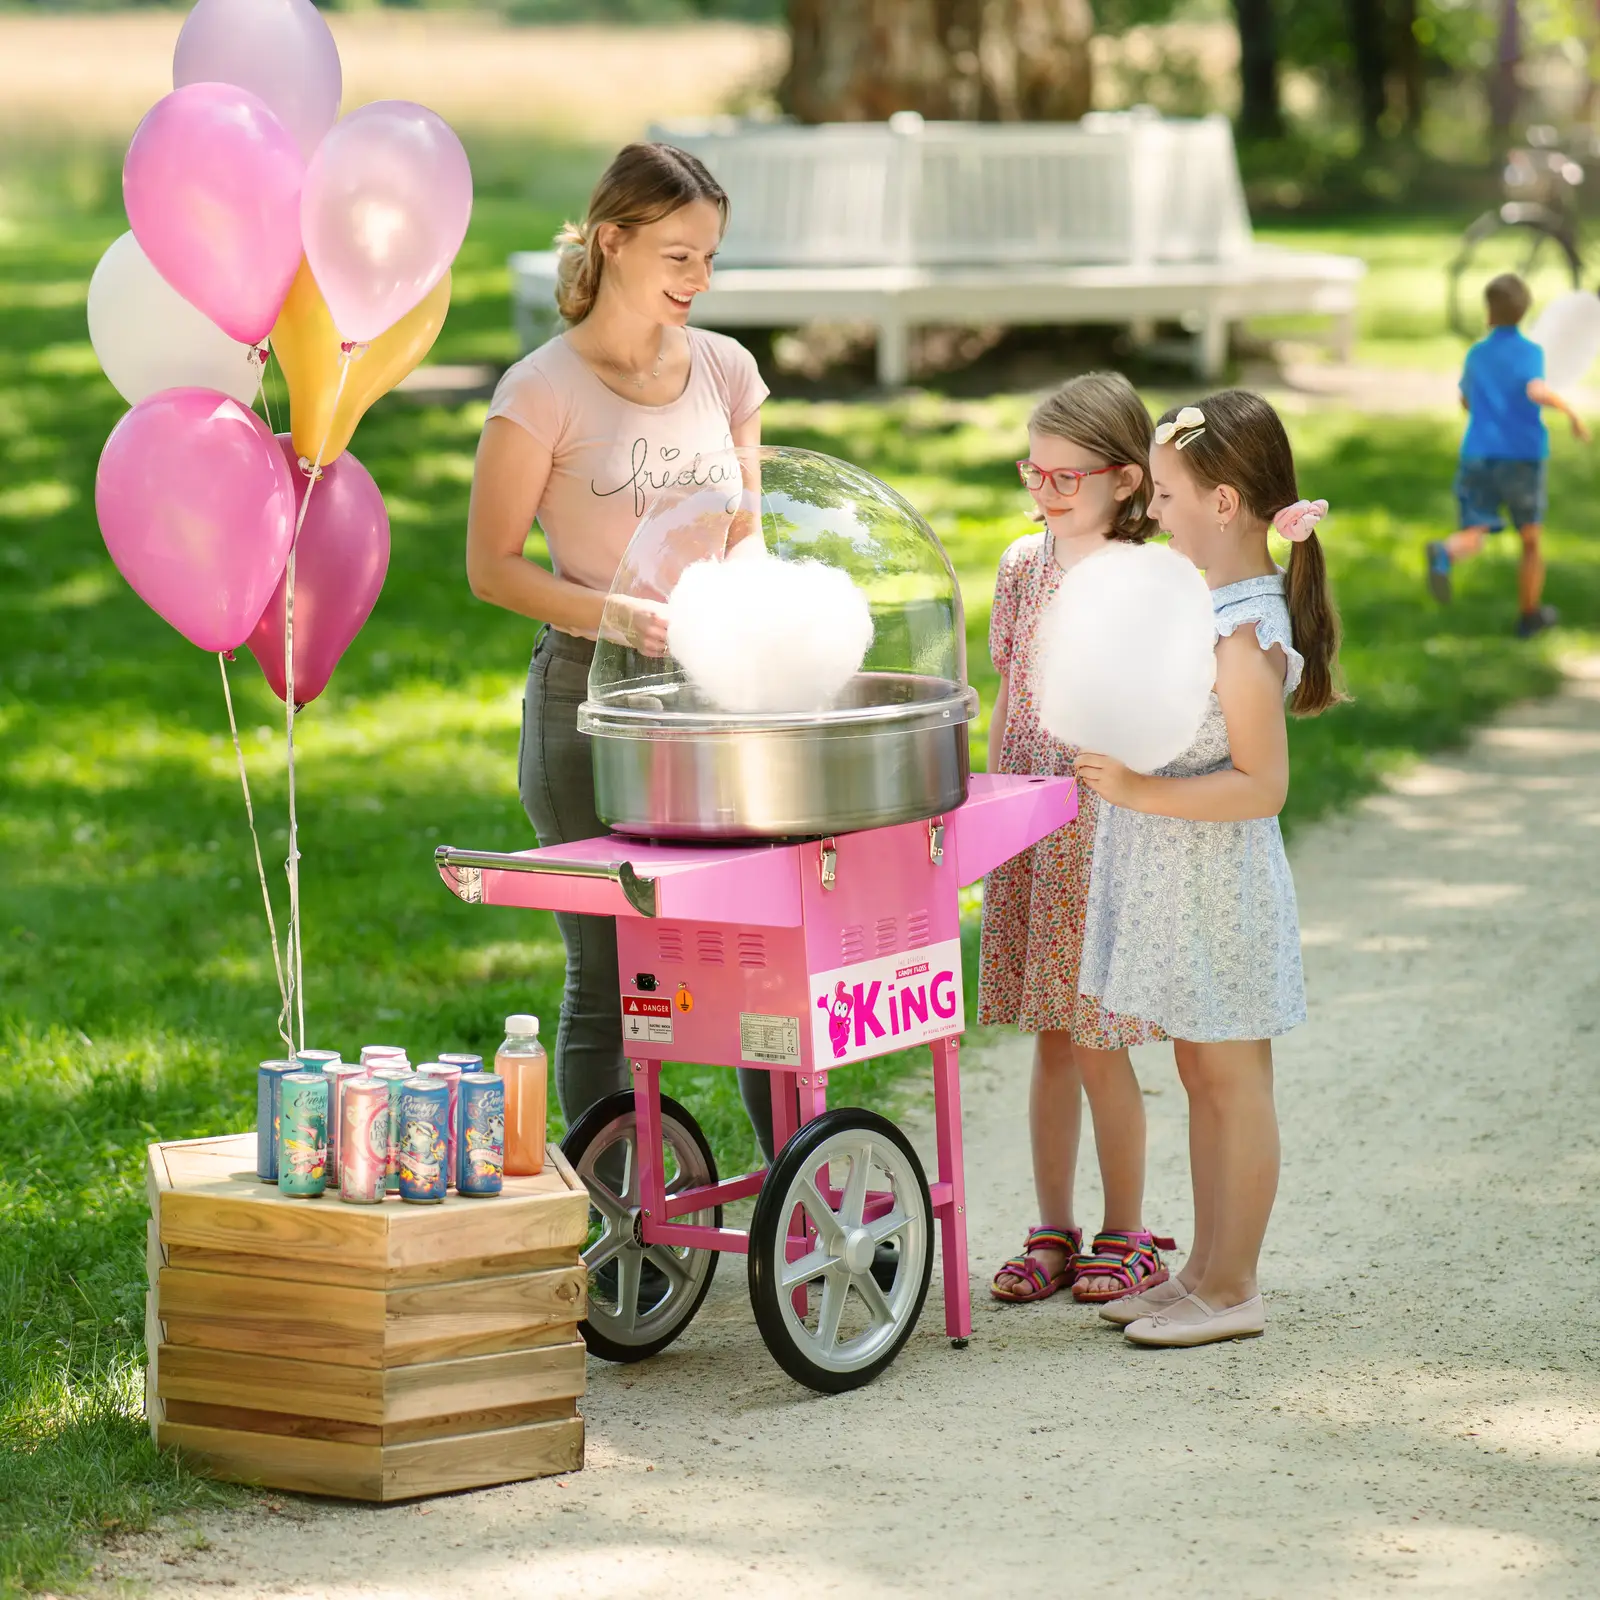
x=522, y=1023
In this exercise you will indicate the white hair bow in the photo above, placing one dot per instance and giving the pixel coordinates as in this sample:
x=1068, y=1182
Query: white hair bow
x=1190, y=422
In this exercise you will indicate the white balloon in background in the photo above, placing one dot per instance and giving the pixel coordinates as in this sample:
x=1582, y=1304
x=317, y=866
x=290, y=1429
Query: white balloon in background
x=1126, y=658
x=1569, y=330
x=149, y=338
x=758, y=635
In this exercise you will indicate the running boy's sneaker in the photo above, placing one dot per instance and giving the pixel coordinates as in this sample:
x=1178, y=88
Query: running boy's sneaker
x=1438, y=559
x=1536, y=621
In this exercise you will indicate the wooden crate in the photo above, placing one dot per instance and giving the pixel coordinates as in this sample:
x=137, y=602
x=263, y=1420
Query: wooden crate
x=370, y=1352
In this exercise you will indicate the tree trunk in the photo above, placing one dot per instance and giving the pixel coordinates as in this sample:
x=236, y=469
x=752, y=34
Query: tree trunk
x=1408, y=67
x=1371, y=52
x=981, y=60
x=1503, y=88
x=1260, y=113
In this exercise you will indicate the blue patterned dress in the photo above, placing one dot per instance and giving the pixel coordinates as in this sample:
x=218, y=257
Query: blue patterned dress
x=1193, y=924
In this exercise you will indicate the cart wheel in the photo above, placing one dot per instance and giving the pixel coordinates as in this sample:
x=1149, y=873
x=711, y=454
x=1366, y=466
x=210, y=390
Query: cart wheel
x=854, y=1182
x=641, y=1297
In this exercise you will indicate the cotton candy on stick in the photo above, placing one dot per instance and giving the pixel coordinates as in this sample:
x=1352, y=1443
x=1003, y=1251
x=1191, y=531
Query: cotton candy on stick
x=1126, y=655
x=1569, y=330
x=759, y=635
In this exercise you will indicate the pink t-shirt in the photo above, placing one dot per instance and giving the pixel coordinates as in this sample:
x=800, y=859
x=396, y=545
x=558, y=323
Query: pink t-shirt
x=609, y=455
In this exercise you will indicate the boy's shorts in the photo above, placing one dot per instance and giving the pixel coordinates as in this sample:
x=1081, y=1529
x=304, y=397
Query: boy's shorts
x=1485, y=484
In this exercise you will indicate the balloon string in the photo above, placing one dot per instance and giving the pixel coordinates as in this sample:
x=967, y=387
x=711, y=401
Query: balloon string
x=261, y=871
x=292, y=864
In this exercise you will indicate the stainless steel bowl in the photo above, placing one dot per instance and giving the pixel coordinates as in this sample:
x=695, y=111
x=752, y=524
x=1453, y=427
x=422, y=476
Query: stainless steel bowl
x=666, y=766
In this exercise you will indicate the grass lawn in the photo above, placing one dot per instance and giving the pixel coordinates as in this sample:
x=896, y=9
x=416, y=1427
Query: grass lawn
x=135, y=986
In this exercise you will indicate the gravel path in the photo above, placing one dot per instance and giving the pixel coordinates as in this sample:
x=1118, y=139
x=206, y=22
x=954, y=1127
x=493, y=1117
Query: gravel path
x=1423, y=1417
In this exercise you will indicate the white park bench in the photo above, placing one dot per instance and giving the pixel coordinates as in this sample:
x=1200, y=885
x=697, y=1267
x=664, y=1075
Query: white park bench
x=1124, y=217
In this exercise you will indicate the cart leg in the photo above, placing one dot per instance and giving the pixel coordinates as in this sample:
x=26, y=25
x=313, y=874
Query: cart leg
x=953, y=1218
x=652, y=1176
x=786, y=1118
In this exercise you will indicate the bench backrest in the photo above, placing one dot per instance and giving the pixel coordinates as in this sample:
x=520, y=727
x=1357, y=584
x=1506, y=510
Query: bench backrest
x=1116, y=187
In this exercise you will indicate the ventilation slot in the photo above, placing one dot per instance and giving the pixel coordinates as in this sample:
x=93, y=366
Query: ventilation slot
x=708, y=947
x=853, y=944
x=670, y=944
x=917, y=930
x=752, y=950
x=885, y=934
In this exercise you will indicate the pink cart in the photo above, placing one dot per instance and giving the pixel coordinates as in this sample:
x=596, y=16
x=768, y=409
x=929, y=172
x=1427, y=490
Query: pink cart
x=799, y=958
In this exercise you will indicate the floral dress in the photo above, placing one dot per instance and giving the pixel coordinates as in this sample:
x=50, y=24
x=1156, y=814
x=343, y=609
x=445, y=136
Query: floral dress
x=1033, y=904
x=1194, y=923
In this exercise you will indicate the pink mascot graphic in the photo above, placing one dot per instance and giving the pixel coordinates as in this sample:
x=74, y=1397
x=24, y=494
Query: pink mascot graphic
x=838, y=1009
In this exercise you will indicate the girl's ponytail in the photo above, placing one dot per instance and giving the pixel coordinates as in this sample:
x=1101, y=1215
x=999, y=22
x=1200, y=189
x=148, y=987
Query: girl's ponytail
x=1315, y=622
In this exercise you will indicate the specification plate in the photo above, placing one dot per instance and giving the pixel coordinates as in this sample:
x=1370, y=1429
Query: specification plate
x=774, y=1041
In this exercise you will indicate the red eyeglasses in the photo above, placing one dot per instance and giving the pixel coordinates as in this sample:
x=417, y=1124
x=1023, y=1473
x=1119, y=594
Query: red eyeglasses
x=1064, y=480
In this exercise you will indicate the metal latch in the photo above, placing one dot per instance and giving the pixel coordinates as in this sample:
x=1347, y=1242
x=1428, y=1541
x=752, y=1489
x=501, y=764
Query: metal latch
x=936, y=840
x=830, y=863
x=469, y=885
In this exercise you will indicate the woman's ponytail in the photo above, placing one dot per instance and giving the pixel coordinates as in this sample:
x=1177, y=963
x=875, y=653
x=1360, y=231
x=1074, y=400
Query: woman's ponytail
x=1314, y=619
x=578, y=266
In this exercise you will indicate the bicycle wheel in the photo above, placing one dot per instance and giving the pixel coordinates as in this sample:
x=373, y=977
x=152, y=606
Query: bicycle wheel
x=1531, y=241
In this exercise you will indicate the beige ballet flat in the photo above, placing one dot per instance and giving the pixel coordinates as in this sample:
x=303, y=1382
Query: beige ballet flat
x=1146, y=1303
x=1190, y=1321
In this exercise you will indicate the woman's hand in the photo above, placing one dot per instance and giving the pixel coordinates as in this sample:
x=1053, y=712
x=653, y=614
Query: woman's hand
x=1108, y=777
x=639, y=624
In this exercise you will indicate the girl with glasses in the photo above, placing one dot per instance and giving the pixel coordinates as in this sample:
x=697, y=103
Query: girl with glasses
x=1087, y=446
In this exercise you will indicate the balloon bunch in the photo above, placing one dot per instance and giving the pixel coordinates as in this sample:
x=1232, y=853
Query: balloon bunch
x=263, y=222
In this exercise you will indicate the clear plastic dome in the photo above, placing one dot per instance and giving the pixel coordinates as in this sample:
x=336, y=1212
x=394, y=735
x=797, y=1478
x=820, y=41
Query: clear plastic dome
x=777, y=587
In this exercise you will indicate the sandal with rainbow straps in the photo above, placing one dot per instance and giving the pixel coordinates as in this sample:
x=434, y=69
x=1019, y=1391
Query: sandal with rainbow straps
x=1131, y=1260
x=1041, y=1282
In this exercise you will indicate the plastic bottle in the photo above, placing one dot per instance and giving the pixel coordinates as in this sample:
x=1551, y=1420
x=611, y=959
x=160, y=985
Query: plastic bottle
x=521, y=1061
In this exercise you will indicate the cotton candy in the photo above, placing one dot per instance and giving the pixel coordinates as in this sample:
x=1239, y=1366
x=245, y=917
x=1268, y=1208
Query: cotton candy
x=1126, y=655
x=1569, y=330
x=757, y=635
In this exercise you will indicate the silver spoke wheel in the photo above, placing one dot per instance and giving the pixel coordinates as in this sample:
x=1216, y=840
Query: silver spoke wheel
x=641, y=1296
x=833, y=1309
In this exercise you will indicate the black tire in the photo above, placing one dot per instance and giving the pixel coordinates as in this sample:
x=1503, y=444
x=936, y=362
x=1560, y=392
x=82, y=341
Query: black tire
x=613, y=1123
x=819, y=1360
x=1531, y=240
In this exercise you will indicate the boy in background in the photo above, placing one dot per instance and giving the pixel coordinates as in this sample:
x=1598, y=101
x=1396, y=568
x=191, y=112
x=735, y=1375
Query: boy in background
x=1503, y=451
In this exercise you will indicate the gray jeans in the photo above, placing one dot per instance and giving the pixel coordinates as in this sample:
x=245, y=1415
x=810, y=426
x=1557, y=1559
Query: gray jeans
x=556, y=781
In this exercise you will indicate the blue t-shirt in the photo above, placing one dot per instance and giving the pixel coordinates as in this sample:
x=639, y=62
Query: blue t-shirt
x=1503, y=424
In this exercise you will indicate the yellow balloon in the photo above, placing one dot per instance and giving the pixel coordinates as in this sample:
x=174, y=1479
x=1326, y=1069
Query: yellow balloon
x=310, y=352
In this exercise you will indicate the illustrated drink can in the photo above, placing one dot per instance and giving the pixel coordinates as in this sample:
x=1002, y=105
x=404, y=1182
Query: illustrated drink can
x=467, y=1063
x=338, y=1074
x=449, y=1074
x=269, y=1099
x=303, y=1134
x=394, y=1076
x=481, y=1138
x=371, y=1052
x=363, y=1139
x=424, y=1123
x=316, y=1060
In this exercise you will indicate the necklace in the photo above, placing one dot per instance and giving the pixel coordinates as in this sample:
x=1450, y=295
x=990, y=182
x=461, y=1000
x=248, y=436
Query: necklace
x=639, y=379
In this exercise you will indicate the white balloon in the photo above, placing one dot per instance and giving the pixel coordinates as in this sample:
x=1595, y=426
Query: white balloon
x=1126, y=658
x=1569, y=330
x=760, y=635
x=149, y=338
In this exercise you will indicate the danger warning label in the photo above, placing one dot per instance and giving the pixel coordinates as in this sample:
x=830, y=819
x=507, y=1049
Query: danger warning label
x=647, y=1019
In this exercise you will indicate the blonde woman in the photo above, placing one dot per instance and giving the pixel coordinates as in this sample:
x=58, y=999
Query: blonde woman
x=581, y=433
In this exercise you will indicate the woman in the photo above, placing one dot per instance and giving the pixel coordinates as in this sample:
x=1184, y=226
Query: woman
x=579, y=435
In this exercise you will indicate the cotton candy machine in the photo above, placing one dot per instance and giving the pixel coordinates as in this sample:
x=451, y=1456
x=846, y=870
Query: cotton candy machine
x=782, y=656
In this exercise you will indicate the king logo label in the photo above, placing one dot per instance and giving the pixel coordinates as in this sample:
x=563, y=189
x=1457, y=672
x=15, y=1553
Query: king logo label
x=889, y=1004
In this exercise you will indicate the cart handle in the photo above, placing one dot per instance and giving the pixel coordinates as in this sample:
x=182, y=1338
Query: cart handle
x=463, y=869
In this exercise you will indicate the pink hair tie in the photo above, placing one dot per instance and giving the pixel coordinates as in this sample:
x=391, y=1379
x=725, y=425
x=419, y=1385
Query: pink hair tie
x=1300, y=520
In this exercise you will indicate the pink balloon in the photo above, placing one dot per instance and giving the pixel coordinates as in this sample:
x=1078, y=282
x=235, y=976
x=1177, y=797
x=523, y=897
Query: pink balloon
x=196, y=505
x=385, y=207
x=280, y=50
x=212, y=187
x=339, y=564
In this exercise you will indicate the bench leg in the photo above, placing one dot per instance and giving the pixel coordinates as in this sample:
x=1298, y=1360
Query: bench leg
x=1343, y=337
x=894, y=353
x=1211, y=347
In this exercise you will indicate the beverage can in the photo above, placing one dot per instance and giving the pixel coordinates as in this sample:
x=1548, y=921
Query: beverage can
x=372, y=1052
x=338, y=1073
x=423, y=1124
x=316, y=1060
x=269, y=1100
x=481, y=1137
x=303, y=1134
x=394, y=1076
x=467, y=1063
x=363, y=1139
x=449, y=1074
